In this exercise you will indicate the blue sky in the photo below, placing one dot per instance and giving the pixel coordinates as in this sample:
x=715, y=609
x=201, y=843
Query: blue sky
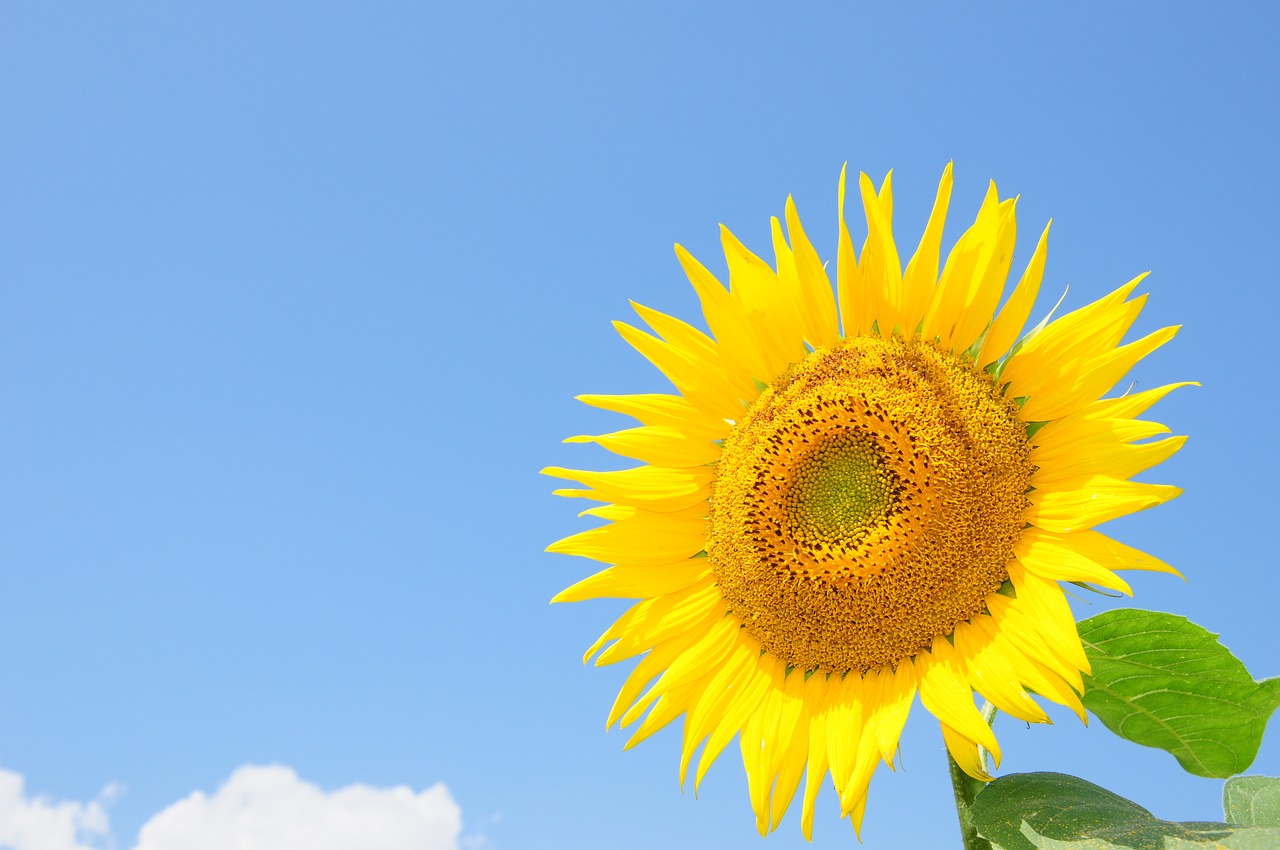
x=294, y=299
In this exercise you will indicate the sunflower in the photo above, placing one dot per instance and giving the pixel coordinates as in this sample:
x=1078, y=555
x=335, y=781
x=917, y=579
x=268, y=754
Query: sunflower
x=864, y=495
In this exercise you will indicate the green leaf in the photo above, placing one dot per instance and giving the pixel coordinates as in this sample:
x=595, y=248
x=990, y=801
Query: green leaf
x=1252, y=800
x=1162, y=681
x=1054, y=811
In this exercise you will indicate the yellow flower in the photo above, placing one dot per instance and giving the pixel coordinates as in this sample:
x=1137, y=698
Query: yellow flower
x=839, y=513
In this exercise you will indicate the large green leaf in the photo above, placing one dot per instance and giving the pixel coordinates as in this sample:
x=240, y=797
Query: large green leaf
x=1252, y=800
x=1162, y=681
x=1054, y=811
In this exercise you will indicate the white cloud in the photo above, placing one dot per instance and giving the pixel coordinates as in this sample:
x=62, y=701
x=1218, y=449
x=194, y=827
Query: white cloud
x=36, y=823
x=257, y=808
x=270, y=808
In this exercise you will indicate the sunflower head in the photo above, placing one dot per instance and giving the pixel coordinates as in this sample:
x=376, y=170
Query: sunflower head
x=864, y=493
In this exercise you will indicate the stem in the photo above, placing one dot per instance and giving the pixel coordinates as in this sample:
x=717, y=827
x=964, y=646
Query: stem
x=966, y=789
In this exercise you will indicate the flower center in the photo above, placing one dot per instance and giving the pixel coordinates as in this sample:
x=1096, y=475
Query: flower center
x=838, y=489
x=868, y=502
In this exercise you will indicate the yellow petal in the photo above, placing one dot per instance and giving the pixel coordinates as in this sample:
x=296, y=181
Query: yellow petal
x=650, y=667
x=881, y=270
x=670, y=705
x=702, y=380
x=921, y=277
x=627, y=581
x=644, y=538
x=662, y=409
x=696, y=344
x=844, y=724
x=1056, y=369
x=657, y=445
x=1118, y=460
x=727, y=318
x=945, y=692
x=1080, y=383
x=1051, y=556
x=816, y=767
x=653, y=488
x=822, y=327
x=856, y=313
x=973, y=277
x=771, y=308
x=1043, y=670
x=783, y=745
x=1129, y=406
x=990, y=273
x=1110, y=554
x=1089, y=331
x=653, y=621
x=791, y=768
x=737, y=714
x=896, y=690
x=698, y=661
x=1045, y=605
x=1084, y=432
x=991, y=673
x=856, y=814
x=853, y=794
x=1026, y=669
x=1082, y=502
x=966, y=753
x=1013, y=316
x=723, y=688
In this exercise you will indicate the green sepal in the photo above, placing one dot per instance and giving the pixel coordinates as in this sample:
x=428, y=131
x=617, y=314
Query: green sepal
x=1101, y=591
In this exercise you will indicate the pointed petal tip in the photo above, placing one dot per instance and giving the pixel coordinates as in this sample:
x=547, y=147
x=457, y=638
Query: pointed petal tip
x=567, y=595
x=1137, y=280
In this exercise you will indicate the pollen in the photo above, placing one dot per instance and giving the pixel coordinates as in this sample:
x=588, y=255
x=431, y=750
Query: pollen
x=867, y=502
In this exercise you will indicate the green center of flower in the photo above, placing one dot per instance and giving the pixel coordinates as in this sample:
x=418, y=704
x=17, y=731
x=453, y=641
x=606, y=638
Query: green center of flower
x=839, y=489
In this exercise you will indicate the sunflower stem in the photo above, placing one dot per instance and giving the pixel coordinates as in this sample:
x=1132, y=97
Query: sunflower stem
x=966, y=789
